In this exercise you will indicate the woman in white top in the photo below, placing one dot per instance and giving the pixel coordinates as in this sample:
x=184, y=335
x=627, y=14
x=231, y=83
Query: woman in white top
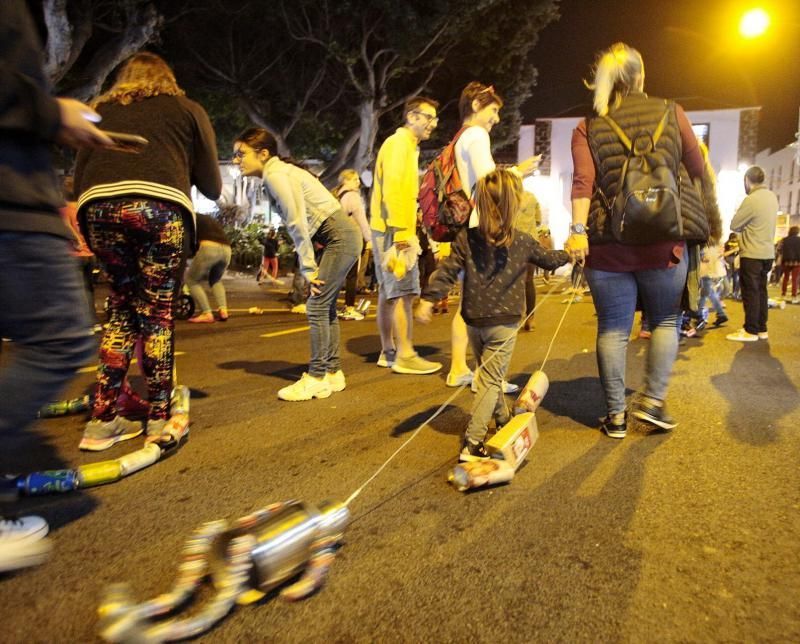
x=479, y=106
x=348, y=192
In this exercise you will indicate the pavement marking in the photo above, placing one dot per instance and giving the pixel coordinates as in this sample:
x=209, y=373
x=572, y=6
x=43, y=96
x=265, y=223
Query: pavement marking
x=285, y=332
x=93, y=368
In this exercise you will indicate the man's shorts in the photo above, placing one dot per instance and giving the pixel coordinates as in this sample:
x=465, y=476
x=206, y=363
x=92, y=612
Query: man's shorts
x=391, y=286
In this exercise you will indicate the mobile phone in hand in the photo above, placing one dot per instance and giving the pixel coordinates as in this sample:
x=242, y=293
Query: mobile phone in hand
x=131, y=143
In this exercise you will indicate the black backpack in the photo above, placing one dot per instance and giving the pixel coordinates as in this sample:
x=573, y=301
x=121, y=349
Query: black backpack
x=647, y=206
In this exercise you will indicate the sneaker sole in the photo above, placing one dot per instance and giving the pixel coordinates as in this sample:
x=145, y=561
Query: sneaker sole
x=641, y=415
x=419, y=372
x=740, y=339
x=96, y=445
x=336, y=390
x=311, y=397
x=614, y=434
x=33, y=554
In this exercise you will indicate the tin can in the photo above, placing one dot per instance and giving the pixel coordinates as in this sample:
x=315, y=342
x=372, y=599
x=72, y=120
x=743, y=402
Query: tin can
x=493, y=471
x=139, y=459
x=179, y=401
x=9, y=488
x=532, y=393
x=47, y=482
x=64, y=407
x=99, y=473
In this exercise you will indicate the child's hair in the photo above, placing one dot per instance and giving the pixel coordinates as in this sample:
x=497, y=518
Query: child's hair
x=497, y=198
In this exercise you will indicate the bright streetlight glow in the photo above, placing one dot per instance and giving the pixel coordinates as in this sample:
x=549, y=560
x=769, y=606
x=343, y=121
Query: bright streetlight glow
x=754, y=23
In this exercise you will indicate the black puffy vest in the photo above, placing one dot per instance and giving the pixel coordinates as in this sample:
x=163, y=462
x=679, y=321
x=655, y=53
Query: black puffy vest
x=637, y=113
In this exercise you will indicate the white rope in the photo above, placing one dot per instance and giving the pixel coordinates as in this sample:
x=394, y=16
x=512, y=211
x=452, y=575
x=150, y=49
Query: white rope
x=458, y=391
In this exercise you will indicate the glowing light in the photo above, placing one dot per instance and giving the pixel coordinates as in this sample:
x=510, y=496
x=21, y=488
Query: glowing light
x=754, y=23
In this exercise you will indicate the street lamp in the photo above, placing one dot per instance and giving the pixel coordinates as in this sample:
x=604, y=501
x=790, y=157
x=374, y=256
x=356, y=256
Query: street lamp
x=754, y=23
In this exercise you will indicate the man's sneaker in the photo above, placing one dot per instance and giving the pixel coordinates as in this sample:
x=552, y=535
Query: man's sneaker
x=472, y=452
x=387, y=358
x=763, y=335
x=306, y=388
x=23, y=543
x=650, y=412
x=612, y=429
x=508, y=387
x=336, y=381
x=350, y=313
x=100, y=435
x=742, y=336
x=415, y=365
x=459, y=381
x=720, y=320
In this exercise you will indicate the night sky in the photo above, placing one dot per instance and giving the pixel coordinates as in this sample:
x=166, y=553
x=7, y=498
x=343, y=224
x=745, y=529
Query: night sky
x=692, y=53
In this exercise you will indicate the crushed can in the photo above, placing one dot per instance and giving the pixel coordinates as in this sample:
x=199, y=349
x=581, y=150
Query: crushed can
x=64, y=407
x=514, y=440
x=466, y=476
x=179, y=401
x=139, y=459
x=48, y=482
x=99, y=473
x=532, y=393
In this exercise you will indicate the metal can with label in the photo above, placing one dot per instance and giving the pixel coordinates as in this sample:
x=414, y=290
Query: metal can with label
x=99, y=473
x=48, y=482
x=493, y=471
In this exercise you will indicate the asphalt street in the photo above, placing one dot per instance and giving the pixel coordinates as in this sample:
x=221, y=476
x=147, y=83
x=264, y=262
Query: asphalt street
x=686, y=536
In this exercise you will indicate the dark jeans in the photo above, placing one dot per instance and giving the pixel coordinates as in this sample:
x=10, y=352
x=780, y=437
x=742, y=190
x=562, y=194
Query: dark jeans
x=753, y=274
x=43, y=309
x=342, y=245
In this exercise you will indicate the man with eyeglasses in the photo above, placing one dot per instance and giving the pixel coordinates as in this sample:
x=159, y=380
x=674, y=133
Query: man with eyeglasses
x=393, y=220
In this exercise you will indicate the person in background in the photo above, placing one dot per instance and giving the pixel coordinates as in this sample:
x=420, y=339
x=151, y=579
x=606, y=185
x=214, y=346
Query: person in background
x=312, y=216
x=712, y=269
x=755, y=221
x=393, y=220
x=479, y=107
x=138, y=213
x=43, y=306
x=269, y=264
x=791, y=262
x=619, y=273
x=527, y=220
x=348, y=192
x=209, y=265
x=731, y=256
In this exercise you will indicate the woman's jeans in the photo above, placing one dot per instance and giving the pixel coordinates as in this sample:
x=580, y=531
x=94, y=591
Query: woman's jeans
x=614, y=296
x=209, y=264
x=708, y=291
x=342, y=245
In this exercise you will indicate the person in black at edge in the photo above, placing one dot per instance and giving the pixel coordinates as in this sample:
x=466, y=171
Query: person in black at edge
x=43, y=307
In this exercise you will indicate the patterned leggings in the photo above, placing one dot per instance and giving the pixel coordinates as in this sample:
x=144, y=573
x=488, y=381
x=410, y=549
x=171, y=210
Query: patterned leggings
x=140, y=245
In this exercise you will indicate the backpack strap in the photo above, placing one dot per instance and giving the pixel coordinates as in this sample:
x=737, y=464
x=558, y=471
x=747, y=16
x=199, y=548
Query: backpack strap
x=624, y=137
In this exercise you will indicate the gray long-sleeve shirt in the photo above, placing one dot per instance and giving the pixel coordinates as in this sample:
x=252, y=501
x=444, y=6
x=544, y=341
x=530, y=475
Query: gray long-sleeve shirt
x=755, y=221
x=304, y=204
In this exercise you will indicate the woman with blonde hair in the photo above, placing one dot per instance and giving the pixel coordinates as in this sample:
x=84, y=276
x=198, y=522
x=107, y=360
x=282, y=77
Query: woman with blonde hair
x=619, y=270
x=348, y=192
x=138, y=216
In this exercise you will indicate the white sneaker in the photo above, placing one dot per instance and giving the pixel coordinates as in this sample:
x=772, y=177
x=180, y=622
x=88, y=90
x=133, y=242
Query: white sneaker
x=387, y=358
x=306, y=388
x=460, y=381
x=796, y=300
x=23, y=543
x=742, y=336
x=508, y=387
x=336, y=381
x=763, y=335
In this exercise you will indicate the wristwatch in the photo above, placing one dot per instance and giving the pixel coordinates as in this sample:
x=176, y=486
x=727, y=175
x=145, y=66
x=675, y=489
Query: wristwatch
x=577, y=229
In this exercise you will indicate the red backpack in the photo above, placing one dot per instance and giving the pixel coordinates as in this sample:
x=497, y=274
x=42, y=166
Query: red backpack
x=445, y=204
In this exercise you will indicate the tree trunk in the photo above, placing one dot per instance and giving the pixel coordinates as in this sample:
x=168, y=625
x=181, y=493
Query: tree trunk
x=368, y=132
x=258, y=118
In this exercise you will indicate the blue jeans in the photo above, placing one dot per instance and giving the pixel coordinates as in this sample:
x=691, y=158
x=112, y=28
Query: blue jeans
x=708, y=290
x=209, y=266
x=614, y=296
x=492, y=345
x=43, y=309
x=342, y=245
